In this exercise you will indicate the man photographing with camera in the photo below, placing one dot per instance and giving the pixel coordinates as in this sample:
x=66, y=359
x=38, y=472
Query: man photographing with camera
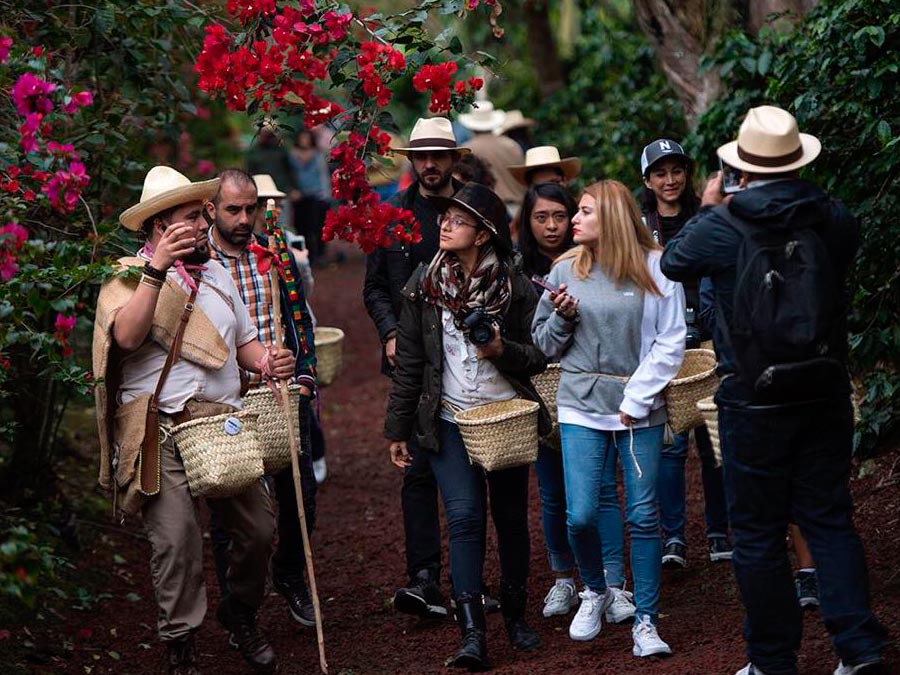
x=778, y=252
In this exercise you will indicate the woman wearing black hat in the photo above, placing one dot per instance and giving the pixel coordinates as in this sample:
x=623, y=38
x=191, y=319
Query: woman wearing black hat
x=439, y=370
x=668, y=202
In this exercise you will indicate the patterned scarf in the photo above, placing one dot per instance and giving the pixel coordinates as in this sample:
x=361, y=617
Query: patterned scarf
x=488, y=287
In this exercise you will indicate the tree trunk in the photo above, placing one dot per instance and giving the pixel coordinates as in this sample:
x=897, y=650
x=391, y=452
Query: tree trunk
x=682, y=31
x=542, y=47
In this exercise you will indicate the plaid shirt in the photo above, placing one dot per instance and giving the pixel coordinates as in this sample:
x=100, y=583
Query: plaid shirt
x=254, y=288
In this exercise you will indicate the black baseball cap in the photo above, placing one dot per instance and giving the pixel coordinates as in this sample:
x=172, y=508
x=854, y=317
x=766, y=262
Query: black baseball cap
x=659, y=149
x=485, y=206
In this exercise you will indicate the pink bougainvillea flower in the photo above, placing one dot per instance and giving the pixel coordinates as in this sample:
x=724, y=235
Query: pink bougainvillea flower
x=5, y=44
x=78, y=100
x=14, y=234
x=64, y=324
x=30, y=94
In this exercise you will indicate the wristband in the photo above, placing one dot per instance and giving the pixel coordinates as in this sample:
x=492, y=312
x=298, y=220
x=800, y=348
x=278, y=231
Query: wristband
x=154, y=273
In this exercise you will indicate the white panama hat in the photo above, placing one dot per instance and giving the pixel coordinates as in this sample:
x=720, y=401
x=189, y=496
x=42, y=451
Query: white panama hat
x=769, y=141
x=431, y=134
x=265, y=187
x=545, y=157
x=483, y=117
x=164, y=187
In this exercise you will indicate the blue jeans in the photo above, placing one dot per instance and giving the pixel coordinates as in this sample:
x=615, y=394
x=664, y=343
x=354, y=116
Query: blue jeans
x=672, y=490
x=463, y=488
x=589, y=460
x=792, y=463
x=551, y=482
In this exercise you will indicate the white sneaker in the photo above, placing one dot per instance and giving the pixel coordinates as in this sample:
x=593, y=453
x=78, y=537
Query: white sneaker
x=561, y=599
x=749, y=669
x=320, y=470
x=622, y=608
x=860, y=668
x=646, y=640
x=588, y=620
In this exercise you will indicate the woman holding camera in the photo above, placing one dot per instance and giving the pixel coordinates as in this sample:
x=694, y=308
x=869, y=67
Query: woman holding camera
x=464, y=339
x=668, y=201
x=617, y=326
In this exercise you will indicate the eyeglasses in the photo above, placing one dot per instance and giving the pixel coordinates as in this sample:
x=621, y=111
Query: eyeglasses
x=559, y=217
x=455, y=222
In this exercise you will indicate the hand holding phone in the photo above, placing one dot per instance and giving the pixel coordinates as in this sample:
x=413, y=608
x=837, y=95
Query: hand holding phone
x=543, y=283
x=731, y=178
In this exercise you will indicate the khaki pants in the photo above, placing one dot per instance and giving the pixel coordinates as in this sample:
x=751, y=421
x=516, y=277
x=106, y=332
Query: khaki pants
x=172, y=523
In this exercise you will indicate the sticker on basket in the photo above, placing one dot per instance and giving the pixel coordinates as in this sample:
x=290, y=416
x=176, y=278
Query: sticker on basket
x=233, y=426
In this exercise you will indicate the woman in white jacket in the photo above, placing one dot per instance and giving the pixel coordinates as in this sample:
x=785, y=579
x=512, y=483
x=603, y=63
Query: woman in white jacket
x=617, y=326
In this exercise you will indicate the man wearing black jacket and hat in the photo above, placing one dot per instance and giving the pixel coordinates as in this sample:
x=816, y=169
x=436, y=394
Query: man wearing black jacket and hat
x=432, y=151
x=786, y=424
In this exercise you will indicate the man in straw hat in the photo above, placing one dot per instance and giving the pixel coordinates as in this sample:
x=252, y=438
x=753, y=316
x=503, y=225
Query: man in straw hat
x=233, y=210
x=432, y=152
x=497, y=151
x=544, y=165
x=136, y=323
x=778, y=253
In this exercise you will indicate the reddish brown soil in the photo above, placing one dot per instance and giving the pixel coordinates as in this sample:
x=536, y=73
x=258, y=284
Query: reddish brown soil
x=359, y=557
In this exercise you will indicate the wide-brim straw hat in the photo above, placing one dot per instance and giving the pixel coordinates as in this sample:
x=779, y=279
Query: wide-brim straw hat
x=483, y=117
x=769, y=141
x=431, y=134
x=164, y=187
x=266, y=188
x=485, y=206
x=514, y=120
x=545, y=157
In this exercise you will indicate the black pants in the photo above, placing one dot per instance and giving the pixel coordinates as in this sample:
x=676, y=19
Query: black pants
x=421, y=523
x=792, y=464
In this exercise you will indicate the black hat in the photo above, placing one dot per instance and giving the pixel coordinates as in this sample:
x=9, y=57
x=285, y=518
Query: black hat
x=485, y=206
x=660, y=149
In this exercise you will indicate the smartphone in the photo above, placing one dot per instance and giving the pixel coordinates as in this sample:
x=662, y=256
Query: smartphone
x=731, y=178
x=543, y=283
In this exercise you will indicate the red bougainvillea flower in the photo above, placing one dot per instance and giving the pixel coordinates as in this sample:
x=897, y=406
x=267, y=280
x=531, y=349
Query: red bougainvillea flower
x=64, y=187
x=245, y=10
x=436, y=78
x=12, y=238
x=30, y=94
x=5, y=44
x=64, y=324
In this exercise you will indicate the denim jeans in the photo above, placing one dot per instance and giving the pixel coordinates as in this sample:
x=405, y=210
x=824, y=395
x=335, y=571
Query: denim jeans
x=552, y=486
x=463, y=488
x=672, y=490
x=589, y=460
x=792, y=463
x=421, y=523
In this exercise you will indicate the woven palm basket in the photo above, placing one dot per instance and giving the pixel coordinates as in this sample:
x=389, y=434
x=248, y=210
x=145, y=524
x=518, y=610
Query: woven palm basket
x=271, y=427
x=221, y=454
x=502, y=434
x=710, y=414
x=547, y=384
x=329, y=354
x=696, y=380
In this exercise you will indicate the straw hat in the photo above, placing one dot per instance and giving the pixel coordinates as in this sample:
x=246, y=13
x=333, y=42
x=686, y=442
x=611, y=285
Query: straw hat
x=164, y=187
x=265, y=187
x=431, y=133
x=770, y=142
x=545, y=157
x=514, y=120
x=483, y=117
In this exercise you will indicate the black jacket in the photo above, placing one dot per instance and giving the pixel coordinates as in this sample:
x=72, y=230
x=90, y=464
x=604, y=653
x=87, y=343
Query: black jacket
x=388, y=269
x=415, y=401
x=708, y=246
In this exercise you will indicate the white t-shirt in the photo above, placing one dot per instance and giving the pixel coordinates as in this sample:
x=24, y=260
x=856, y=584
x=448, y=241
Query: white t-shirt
x=468, y=381
x=142, y=368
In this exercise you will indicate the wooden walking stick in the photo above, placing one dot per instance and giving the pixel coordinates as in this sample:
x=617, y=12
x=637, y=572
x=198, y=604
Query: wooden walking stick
x=292, y=433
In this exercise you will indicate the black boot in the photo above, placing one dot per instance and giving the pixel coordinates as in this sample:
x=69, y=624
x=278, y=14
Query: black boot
x=240, y=622
x=472, y=654
x=182, y=656
x=512, y=604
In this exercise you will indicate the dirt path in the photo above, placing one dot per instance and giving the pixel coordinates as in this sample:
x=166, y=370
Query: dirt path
x=359, y=559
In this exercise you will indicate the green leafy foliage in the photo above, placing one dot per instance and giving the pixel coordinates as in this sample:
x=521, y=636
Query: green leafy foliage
x=838, y=73
x=27, y=564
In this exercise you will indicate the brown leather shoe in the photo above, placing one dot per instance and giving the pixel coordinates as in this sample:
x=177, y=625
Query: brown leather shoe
x=182, y=656
x=240, y=622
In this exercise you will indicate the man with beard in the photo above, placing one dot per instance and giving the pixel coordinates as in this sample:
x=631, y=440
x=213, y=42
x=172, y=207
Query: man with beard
x=233, y=212
x=432, y=151
x=136, y=325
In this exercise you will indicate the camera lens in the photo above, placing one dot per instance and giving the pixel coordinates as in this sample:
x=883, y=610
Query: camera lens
x=481, y=333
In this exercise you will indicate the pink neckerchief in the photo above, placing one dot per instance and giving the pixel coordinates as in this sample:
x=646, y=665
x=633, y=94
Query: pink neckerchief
x=183, y=269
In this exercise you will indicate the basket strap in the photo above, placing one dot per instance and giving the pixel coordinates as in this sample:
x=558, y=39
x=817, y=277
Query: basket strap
x=605, y=376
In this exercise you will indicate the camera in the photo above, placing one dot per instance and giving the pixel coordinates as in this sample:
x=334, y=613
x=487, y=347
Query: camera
x=693, y=338
x=480, y=326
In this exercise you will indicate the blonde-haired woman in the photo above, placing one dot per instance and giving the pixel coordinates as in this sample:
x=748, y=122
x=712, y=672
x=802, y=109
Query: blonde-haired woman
x=617, y=326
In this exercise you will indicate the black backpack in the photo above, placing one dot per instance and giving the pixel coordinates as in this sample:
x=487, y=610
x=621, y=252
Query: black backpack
x=785, y=309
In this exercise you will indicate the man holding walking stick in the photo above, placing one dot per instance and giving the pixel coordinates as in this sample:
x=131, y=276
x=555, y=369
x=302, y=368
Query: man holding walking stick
x=232, y=243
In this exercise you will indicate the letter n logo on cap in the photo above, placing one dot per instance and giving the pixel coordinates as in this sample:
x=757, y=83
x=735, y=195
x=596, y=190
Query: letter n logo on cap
x=665, y=146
